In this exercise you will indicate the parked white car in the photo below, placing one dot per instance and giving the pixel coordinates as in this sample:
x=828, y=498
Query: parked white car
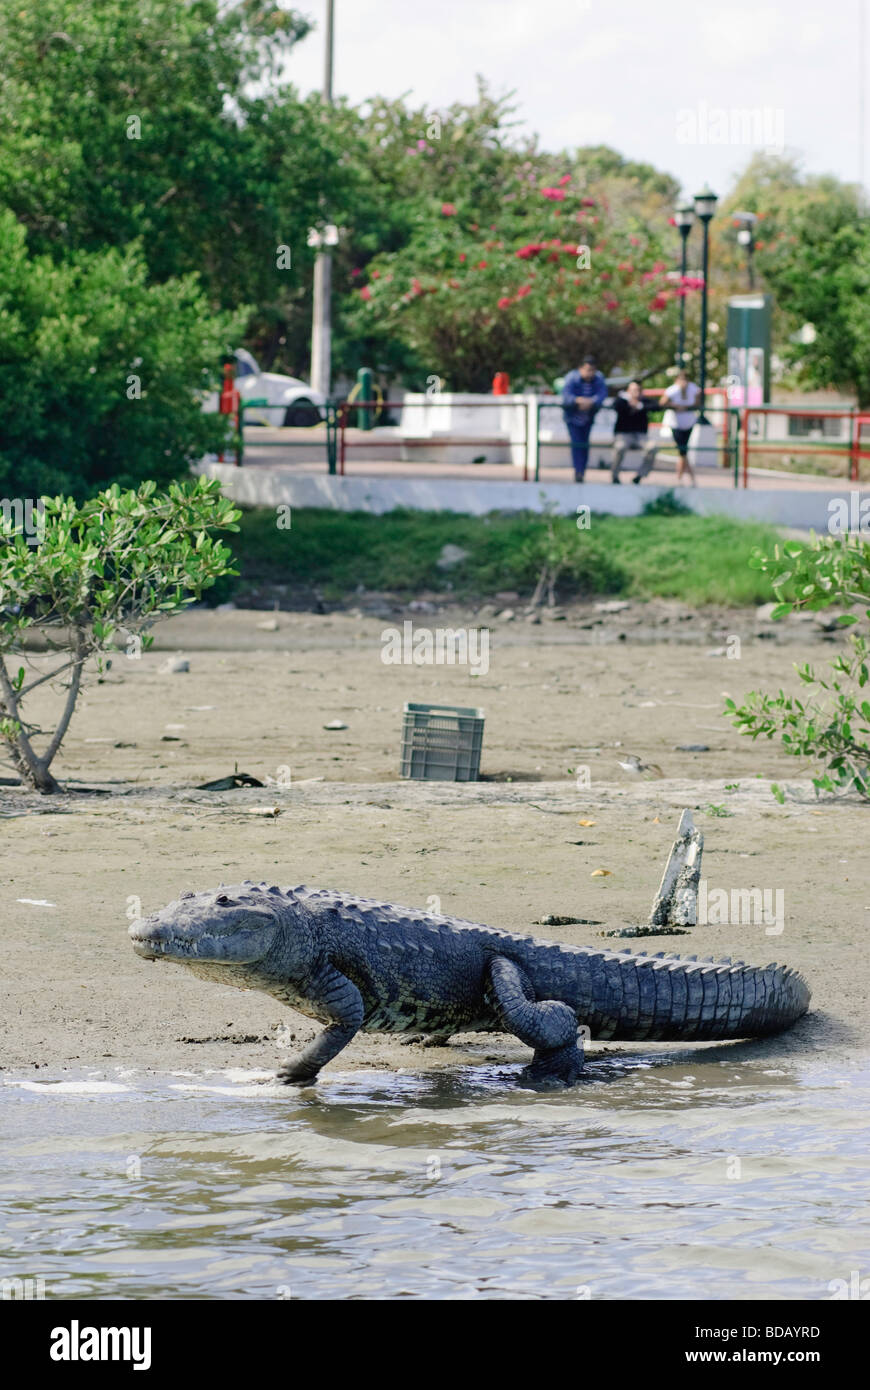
x=290, y=401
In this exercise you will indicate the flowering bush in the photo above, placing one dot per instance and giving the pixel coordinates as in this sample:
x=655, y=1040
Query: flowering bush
x=516, y=309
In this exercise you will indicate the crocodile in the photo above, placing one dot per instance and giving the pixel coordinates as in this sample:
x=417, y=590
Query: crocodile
x=356, y=964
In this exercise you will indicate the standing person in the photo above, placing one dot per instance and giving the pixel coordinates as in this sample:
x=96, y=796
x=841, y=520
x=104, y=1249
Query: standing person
x=630, y=431
x=583, y=394
x=682, y=398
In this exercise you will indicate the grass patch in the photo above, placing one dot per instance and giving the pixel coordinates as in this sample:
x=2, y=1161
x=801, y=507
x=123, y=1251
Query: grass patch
x=664, y=553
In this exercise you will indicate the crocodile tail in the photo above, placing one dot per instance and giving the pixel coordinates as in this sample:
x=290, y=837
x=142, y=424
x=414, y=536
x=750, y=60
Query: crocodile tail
x=683, y=998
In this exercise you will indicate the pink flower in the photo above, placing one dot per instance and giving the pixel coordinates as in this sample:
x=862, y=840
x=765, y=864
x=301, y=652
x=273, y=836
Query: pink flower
x=481, y=265
x=355, y=273
x=554, y=194
x=523, y=291
x=462, y=256
x=365, y=292
x=505, y=301
x=659, y=266
x=416, y=286
x=635, y=240
x=421, y=145
x=611, y=303
x=625, y=265
x=672, y=221
x=660, y=302
x=566, y=178
x=605, y=275
x=448, y=210
x=581, y=309
x=588, y=203
x=376, y=275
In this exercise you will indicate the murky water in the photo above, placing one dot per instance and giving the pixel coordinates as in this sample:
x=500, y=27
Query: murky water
x=658, y=1177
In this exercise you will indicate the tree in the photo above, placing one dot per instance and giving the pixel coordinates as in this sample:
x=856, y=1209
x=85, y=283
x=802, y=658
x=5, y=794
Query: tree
x=102, y=374
x=813, y=253
x=81, y=576
x=125, y=120
x=832, y=723
x=555, y=272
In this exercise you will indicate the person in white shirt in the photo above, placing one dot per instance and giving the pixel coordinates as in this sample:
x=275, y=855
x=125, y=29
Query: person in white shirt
x=682, y=398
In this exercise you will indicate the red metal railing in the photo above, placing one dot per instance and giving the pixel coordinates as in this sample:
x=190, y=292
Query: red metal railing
x=850, y=447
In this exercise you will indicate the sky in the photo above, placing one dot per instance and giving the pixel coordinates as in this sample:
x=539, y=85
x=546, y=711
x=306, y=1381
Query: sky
x=693, y=88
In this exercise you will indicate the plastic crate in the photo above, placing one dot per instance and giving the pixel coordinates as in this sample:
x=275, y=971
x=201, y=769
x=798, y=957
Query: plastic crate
x=441, y=743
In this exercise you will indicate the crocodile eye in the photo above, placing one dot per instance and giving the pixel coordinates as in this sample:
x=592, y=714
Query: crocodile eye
x=222, y=899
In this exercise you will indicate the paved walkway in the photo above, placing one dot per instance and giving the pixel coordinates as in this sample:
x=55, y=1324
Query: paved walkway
x=300, y=453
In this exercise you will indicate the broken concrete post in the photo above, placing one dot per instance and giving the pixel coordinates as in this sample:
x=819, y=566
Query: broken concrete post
x=676, y=903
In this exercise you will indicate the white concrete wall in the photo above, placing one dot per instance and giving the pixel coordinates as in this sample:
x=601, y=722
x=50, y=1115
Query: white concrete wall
x=265, y=487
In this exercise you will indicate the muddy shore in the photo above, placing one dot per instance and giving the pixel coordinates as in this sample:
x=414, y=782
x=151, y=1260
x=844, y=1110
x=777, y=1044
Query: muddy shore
x=558, y=697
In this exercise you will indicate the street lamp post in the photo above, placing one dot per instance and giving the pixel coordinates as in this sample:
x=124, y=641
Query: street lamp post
x=746, y=237
x=321, y=321
x=705, y=208
x=683, y=217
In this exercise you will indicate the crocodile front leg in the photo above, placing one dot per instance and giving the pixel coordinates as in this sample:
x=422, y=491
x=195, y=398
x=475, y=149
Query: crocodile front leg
x=547, y=1025
x=341, y=1001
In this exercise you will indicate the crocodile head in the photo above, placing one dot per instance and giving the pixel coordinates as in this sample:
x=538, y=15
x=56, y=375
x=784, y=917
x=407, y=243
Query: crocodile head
x=234, y=926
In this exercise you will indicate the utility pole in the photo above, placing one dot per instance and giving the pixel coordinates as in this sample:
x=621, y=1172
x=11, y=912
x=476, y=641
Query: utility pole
x=860, y=95
x=321, y=325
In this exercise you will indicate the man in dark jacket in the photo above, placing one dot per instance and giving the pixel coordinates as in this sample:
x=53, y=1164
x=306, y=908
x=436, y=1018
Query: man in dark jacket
x=631, y=430
x=583, y=394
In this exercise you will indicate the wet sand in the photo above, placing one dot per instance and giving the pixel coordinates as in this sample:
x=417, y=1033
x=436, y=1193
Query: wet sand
x=506, y=850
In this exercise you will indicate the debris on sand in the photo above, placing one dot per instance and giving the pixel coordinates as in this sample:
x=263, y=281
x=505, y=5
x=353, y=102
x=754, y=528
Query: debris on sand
x=676, y=903
x=551, y=919
x=646, y=931
x=229, y=784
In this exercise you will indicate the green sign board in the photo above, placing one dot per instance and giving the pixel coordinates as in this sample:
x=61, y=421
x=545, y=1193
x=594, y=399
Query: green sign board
x=748, y=343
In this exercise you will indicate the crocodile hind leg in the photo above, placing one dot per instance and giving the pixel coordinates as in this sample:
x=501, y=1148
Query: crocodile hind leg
x=341, y=1001
x=547, y=1025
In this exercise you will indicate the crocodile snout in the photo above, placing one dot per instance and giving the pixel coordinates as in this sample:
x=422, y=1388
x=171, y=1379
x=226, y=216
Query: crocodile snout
x=149, y=938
